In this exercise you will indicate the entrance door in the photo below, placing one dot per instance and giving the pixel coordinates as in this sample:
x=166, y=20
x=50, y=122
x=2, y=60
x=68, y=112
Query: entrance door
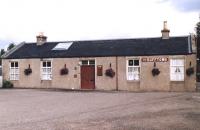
x=87, y=77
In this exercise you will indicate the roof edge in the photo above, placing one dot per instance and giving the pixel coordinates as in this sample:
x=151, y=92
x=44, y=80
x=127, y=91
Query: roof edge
x=109, y=39
x=12, y=50
x=175, y=54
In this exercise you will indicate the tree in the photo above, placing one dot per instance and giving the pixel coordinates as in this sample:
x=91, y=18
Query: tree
x=198, y=38
x=2, y=52
x=10, y=46
x=198, y=49
x=198, y=29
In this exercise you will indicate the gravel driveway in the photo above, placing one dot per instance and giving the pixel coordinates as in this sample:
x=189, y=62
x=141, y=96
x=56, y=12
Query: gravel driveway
x=32, y=109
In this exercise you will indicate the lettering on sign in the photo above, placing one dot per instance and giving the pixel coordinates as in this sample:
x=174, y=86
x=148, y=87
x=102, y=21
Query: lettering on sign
x=159, y=59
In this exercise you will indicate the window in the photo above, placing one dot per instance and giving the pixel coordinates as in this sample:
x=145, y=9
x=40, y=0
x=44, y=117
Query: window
x=133, y=69
x=46, y=70
x=177, y=69
x=62, y=46
x=14, y=70
x=88, y=62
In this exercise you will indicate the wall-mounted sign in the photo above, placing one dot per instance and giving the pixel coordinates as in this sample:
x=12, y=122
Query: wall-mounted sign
x=159, y=59
x=99, y=70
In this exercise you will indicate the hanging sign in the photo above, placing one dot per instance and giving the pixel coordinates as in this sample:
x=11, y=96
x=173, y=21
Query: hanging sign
x=159, y=59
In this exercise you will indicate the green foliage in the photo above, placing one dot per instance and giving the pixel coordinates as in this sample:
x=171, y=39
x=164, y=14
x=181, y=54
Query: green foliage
x=198, y=38
x=7, y=84
x=2, y=52
x=10, y=46
x=198, y=29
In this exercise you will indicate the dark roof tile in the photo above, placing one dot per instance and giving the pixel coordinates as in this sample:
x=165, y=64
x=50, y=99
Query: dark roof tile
x=100, y=48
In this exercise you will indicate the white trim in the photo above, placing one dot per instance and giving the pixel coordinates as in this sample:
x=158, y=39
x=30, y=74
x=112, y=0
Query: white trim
x=182, y=66
x=41, y=69
x=127, y=66
x=88, y=61
x=14, y=71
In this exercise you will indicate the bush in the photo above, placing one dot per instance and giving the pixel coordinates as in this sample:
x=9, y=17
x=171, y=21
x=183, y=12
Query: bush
x=7, y=84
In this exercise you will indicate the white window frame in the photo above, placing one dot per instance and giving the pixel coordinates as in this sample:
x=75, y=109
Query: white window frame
x=46, y=71
x=88, y=62
x=177, y=76
x=138, y=67
x=14, y=71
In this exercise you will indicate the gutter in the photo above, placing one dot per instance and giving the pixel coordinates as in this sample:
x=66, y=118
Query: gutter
x=4, y=56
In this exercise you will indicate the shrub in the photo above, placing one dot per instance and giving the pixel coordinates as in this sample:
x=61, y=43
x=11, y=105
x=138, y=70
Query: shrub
x=7, y=84
x=155, y=71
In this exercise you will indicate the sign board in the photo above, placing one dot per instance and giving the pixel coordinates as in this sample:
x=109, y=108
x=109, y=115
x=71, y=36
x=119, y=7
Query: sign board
x=99, y=70
x=159, y=59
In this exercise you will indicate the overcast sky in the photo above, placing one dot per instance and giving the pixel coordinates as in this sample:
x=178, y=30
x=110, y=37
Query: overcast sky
x=21, y=20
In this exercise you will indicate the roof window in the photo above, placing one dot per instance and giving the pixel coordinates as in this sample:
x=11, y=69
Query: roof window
x=62, y=46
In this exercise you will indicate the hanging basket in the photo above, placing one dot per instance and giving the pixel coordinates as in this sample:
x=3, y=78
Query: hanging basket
x=190, y=71
x=28, y=71
x=110, y=73
x=155, y=71
x=64, y=71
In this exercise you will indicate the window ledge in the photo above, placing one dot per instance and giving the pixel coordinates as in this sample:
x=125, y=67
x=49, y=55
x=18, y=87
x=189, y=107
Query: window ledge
x=177, y=81
x=133, y=81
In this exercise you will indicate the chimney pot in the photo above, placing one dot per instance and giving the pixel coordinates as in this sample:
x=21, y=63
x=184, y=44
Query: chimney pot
x=41, y=39
x=165, y=31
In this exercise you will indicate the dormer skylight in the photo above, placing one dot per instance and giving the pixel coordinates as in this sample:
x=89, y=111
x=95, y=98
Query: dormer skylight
x=62, y=46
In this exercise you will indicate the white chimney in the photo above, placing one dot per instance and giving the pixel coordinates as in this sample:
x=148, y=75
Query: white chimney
x=41, y=39
x=165, y=31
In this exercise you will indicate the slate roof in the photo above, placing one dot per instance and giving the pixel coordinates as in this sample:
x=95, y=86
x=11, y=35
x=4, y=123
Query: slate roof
x=102, y=48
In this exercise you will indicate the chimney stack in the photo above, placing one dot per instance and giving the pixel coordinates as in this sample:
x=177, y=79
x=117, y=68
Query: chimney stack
x=165, y=31
x=41, y=39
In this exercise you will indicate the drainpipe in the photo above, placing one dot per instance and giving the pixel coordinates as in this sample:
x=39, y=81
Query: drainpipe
x=116, y=73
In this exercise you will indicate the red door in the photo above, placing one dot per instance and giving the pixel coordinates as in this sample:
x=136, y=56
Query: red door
x=87, y=77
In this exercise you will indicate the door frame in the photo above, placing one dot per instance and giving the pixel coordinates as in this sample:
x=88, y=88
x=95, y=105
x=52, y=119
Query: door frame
x=80, y=63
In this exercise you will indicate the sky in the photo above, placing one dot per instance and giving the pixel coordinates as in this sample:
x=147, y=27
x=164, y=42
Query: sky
x=66, y=20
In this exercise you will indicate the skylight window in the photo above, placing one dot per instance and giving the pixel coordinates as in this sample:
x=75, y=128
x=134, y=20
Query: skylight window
x=62, y=46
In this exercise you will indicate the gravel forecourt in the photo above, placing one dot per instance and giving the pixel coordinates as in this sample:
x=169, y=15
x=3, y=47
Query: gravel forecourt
x=36, y=109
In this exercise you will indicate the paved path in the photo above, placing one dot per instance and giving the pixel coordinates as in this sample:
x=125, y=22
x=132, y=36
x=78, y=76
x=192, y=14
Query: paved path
x=26, y=109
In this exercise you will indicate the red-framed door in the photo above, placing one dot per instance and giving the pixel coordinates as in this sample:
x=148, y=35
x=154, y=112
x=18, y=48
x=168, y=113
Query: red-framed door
x=87, y=77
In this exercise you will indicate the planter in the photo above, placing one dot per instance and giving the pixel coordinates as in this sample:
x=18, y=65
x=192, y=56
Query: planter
x=28, y=71
x=64, y=71
x=190, y=71
x=155, y=71
x=110, y=73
